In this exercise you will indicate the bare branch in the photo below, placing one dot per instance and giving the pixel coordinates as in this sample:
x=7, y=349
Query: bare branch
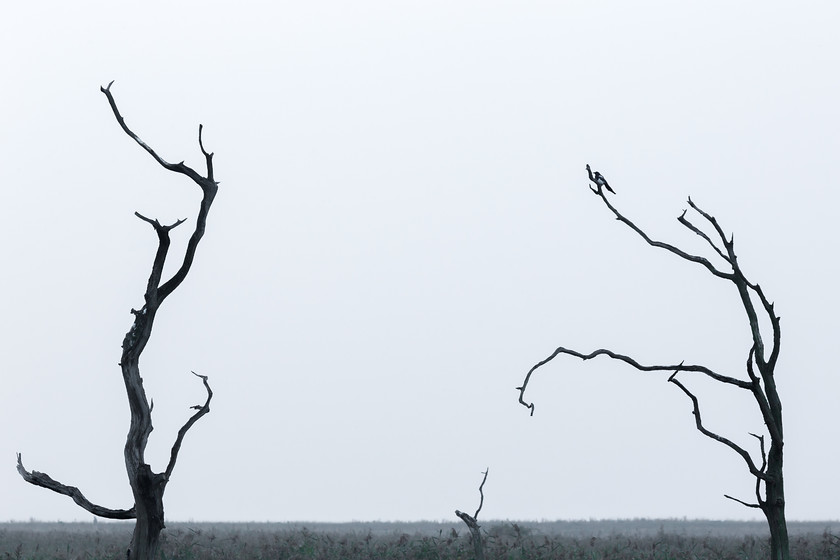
x=750, y=369
x=743, y=503
x=684, y=221
x=176, y=167
x=481, y=491
x=775, y=321
x=668, y=247
x=202, y=410
x=762, y=400
x=628, y=360
x=699, y=423
x=157, y=225
x=763, y=453
x=729, y=245
x=763, y=469
x=45, y=481
x=208, y=157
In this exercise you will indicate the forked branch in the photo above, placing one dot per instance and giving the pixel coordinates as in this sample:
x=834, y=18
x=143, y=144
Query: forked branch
x=760, y=502
x=628, y=360
x=209, y=188
x=176, y=167
x=667, y=246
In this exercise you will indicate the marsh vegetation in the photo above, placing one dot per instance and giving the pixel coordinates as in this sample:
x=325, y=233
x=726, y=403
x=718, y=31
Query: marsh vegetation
x=591, y=540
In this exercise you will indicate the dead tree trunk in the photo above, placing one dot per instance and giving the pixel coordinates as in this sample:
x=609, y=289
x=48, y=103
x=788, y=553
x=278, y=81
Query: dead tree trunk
x=472, y=521
x=147, y=486
x=760, y=367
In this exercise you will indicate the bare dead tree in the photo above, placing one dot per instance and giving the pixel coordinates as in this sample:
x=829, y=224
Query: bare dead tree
x=472, y=521
x=760, y=367
x=147, y=486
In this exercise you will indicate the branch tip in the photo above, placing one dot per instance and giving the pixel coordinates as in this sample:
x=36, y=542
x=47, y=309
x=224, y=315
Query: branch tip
x=481, y=491
x=742, y=502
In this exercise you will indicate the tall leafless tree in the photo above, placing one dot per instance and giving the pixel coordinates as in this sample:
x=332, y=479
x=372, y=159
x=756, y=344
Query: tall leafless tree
x=760, y=366
x=147, y=486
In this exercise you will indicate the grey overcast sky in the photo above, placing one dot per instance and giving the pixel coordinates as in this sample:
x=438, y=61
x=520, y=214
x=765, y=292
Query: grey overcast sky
x=403, y=229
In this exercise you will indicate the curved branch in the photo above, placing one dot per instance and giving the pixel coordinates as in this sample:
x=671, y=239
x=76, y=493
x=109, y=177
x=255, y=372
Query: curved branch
x=755, y=471
x=667, y=246
x=775, y=322
x=628, y=360
x=481, y=491
x=45, y=481
x=202, y=410
x=472, y=521
x=176, y=167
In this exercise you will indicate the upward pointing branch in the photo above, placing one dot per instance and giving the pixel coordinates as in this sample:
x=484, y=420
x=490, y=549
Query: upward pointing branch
x=472, y=521
x=208, y=185
x=202, y=410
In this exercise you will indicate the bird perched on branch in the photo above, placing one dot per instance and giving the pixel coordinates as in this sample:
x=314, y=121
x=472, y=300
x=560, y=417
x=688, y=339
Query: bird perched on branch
x=598, y=179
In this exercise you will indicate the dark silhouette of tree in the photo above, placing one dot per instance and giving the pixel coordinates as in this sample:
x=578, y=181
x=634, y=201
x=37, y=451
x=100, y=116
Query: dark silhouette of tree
x=472, y=521
x=147, y=486
x=760, y=367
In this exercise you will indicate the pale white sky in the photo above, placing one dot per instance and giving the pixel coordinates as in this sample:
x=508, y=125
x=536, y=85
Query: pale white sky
x=403, y=229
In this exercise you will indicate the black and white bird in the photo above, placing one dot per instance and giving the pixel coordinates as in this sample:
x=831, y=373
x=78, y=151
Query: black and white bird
x=599, y=179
